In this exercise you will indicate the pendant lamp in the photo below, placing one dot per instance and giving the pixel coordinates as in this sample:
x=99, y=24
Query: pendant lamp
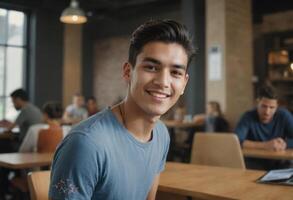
x=73, y=14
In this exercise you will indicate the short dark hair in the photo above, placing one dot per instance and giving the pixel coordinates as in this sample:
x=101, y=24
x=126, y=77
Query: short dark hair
x=19, y=93
x=168, y=31
x=266, y=92
x=54, y=110
x=91, y=98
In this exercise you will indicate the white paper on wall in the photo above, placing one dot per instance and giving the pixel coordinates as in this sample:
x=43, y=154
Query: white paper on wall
x=214, y=63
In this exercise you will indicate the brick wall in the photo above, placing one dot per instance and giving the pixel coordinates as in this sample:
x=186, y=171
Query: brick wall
x=109, y=56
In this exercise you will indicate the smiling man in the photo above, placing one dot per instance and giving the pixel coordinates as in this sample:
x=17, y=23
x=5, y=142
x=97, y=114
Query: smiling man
x=120, y=152
x=266, y=127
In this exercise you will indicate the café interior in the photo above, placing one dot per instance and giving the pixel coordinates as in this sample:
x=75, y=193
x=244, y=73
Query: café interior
x=241, y=45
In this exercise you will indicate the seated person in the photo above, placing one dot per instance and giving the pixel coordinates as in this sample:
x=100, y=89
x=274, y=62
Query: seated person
x=29, y=114
x=75, y=112
x=52, y=112
x=213, y=120
x=266, y=127
x=91, y=105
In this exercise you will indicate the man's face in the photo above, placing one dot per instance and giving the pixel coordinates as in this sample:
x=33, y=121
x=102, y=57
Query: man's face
x=16, y=103
x=78, y=101
x=158, y=77
x=266, y=109
x=91, y=104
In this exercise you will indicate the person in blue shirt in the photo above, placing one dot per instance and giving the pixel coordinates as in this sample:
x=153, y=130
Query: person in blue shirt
x=266, y=127
x=120, y=152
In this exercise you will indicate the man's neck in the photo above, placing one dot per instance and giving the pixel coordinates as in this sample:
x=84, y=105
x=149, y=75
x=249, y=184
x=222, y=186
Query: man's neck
x=135, y=120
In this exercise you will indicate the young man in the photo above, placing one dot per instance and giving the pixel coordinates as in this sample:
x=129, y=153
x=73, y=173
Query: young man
x=266, y=127
x=29, y=114
x=120, y=152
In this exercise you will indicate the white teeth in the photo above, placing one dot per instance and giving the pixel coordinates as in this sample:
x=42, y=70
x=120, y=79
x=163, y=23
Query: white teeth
x=158, y=95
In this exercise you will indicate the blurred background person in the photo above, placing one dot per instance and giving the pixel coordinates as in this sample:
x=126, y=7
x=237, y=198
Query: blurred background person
x=213, y=120
x=52, y=114
x=91, y=106
x=75, y=112
x=29, y=114
x=266, y=126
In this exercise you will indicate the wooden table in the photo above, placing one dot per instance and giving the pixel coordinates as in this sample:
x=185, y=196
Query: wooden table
x=277, y=155
x=207, y=182
x=6, y=135
x=25, y=160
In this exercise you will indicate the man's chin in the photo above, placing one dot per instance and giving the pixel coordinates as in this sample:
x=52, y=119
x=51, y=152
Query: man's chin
x=265, y=121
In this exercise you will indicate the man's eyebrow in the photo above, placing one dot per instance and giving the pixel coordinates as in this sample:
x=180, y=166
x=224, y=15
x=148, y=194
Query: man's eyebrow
x=155, y=61
x=179, y=66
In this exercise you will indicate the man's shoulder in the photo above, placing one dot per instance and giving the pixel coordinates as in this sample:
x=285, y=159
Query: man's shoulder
x=250, y=113
x=162, y=129
x=96, y=125
x=69, y=107
x=30, y=108
x=160, y=125
x=283, y=113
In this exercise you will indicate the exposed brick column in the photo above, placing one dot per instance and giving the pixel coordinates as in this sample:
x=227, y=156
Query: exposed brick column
x=72, y=62
x=229, y=27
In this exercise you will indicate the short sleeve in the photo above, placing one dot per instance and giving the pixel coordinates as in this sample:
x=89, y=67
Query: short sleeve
x=166, y=143
x=75, y=169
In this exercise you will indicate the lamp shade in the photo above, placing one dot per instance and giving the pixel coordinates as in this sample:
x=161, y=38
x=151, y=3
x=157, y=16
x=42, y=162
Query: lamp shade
x=73, y=14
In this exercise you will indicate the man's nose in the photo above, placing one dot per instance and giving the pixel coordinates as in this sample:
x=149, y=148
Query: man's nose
x=267, y=111
x=163, y=79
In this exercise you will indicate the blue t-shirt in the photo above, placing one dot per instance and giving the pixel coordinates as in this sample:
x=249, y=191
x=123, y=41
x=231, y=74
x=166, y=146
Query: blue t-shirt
x=100, y=159
x=251, y=128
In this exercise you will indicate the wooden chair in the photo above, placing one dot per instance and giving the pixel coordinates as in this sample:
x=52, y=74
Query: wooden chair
x=39, y=185
x=217, y=149
x=49, y=139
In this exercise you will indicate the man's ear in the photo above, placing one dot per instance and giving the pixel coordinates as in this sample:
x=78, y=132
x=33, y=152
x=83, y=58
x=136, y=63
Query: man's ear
x=127, y=69
x=186, y=81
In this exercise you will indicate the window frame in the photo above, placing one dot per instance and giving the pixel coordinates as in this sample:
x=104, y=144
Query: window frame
x=26, y=55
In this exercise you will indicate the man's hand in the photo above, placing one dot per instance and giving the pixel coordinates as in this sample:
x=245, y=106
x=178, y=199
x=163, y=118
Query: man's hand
x=4, y=123
x=277, y=144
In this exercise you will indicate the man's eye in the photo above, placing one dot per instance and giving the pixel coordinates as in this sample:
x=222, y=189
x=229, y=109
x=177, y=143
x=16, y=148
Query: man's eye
x=177, y=73
x=150, y=68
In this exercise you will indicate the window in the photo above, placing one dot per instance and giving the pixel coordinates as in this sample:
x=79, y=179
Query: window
x=13, y=50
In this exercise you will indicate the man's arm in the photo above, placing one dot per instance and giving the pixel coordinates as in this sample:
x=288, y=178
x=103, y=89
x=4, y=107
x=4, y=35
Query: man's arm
x=276, y=144
x=154, y=188
x=7, y=124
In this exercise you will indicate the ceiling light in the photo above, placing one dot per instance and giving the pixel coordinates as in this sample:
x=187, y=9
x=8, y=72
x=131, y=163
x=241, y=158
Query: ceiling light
x=73, y=14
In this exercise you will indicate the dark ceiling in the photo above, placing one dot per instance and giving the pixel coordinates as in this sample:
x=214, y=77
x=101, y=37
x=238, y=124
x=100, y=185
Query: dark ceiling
x=99, y=9
x=263, y=7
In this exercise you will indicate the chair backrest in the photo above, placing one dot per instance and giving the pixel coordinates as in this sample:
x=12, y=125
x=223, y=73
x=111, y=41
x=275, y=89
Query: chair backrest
x=217, y=149
x=39, y=182
x=49, y=139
